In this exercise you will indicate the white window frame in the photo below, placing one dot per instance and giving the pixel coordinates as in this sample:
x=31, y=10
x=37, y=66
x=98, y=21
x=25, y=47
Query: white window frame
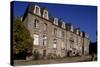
x=44, y=40
x=54, y=43
x=45, y=27
x=56, y=21
x=36, y=39
x=63, y=25
x=35, y=10
x=45, y=15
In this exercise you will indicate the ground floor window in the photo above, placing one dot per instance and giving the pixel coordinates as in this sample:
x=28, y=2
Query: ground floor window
x=36, y=39
x=54, y=43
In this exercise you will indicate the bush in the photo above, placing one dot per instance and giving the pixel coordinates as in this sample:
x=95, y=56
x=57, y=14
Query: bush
x=51, y=56
x=36, y=55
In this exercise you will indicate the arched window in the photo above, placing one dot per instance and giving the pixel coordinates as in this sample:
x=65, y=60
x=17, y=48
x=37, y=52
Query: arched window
x=56, y=21
x=45, y=14
x=37, y=10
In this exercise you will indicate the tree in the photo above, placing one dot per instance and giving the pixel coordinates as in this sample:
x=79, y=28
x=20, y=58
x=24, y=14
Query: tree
x=22, y=42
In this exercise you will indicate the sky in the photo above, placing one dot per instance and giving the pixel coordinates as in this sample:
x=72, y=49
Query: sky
x=82, y=16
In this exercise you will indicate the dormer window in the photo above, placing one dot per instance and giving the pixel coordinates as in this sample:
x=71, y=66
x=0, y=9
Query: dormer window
x=37, y=10
x=63, y=25
x=77, y=31
x=56, y=21
x=86, y=35
x=81, y=34
x=72, y=29
x=45, y=14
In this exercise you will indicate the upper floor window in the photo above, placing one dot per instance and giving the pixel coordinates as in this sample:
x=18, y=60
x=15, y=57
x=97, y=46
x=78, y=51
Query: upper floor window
x=55, y=31
x=72, y=28
x=45, y=27
x=36, y=23
x=63, y=34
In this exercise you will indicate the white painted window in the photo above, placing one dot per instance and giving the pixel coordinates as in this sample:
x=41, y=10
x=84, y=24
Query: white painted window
x=44, y=40
x=45, y=14
x=54, y=43
x=77, y=31
x=37, y=10
x=63, y=25
x=56, y=21
x=36, y=39
x=72, y=28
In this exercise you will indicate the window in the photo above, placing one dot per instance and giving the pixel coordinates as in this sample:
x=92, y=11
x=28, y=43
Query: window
x=63, y=24
x=59, y=34
x=56, y=21
x=54, y=43
x=45, y=27
x=36, y=23
x=62, y=45
x=37, y=10
x=45, y=14
x=55, y=31
x=63, y=34
x=36, y=39
x=72, y=28
x=44, y=40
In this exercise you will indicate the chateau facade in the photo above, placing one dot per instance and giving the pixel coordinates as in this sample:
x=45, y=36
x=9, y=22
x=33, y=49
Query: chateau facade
x=52, y=35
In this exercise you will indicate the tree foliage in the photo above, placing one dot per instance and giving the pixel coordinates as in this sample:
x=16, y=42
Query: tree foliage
x=22, y=42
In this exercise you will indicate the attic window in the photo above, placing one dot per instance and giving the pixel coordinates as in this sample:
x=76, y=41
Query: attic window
x=37, y=10
x=45, y=14
x=72, y=29
x=56, y=21
x=63, y=25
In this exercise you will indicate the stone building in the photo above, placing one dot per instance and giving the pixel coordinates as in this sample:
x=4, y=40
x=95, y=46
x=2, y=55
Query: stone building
x=52, y=35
